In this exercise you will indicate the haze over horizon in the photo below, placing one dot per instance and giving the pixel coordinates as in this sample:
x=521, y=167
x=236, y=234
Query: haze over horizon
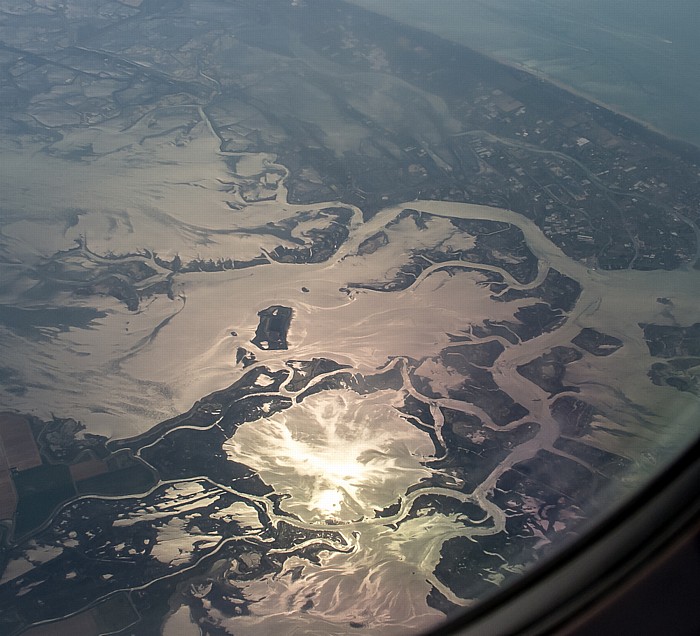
x=635, y=56
x=315, y=323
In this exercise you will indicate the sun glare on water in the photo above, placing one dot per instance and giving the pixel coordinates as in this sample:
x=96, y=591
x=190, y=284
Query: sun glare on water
x=328, y=502
x=336, y=456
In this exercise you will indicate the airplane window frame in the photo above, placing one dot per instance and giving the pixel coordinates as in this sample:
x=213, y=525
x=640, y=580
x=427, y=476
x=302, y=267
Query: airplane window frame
x=552, y=596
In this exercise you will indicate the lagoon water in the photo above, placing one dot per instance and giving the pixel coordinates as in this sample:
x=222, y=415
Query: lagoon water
x=636, y=56
x=373, y=475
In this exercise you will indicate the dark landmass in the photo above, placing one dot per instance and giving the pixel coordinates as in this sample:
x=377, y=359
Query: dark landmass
x=547, y=476
x=666, y=341
x=548, y=370
x=437, y=600
x=317, y=244
x=533, y=321
x=502, y=328
x=129, y=278
x=114, y=614
x=357, y=382
x=239, y=399
x=49, y=462
x=494, y=243
x=176, y=457
x=63, y=440
x=271, y=333
x=186, y=449
x=602, y=188
x=478, y=388
x=120, y=474
x=538, y=511
x=483, y=354
x=557, y=290
x=495, y=239
x=419, y=218
x=597, y=343
x=472, y=362
x=244, y=357
x=219, y=265
x=536, y=320
x=468, y=513
x=121, y=554
x=597, y=157
x=371, y=244
x=543, y=497
x=467, y=569
x=40, y=490
x=680, y=373
x=680, y=346
x=306, y=370
x=603, y=462
x=418, y=410
x=473, y=450
x=389, y=511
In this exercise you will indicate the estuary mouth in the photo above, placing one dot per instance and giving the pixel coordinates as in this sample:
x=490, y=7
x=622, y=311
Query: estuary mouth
x=335, y=458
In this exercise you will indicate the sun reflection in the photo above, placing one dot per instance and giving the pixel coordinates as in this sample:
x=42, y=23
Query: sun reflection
x=337, y=455
x=335, y=461
x=328, y=501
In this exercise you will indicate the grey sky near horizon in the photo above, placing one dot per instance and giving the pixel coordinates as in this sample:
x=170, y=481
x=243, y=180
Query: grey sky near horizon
x=637, y=56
